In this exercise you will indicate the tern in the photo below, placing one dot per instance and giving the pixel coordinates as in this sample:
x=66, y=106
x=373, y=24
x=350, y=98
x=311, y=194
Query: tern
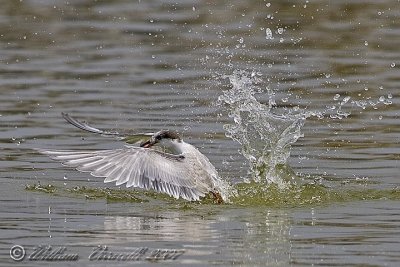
x=163, y=162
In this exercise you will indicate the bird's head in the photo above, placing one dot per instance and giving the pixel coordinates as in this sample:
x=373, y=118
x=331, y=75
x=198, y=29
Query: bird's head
x=162, y=137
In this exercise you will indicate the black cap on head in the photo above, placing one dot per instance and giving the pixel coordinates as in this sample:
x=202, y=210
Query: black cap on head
x=166, y=134
x=157, y=137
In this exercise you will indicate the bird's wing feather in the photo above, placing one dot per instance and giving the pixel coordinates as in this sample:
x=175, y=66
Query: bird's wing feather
x=128, y=137
x=137, y=167
x=86, y=127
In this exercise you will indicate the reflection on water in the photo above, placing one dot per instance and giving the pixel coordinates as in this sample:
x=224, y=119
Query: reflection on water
x=226, y=237
x=167, y=228
x=152, y=65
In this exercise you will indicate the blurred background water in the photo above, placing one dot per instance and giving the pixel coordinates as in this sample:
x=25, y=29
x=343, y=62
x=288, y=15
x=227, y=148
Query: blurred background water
x=149, y=65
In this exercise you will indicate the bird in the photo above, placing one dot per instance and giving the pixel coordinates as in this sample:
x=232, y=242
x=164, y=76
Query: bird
x=162, y=162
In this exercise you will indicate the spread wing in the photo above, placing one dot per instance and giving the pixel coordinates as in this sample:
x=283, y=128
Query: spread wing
x=136, y=167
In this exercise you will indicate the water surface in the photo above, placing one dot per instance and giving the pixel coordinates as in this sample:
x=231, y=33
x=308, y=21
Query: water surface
x=148, y=65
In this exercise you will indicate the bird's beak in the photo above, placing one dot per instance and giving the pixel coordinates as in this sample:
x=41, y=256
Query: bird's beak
x=147, y=144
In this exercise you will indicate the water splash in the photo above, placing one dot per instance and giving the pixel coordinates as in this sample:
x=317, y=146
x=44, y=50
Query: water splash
x=266, y=132
x=265, y=136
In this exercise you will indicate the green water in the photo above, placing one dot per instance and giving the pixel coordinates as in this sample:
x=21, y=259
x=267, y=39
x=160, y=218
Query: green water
x=248, y=194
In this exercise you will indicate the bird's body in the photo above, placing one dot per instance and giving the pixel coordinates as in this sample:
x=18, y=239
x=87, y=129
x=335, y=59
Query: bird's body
x=164, y=163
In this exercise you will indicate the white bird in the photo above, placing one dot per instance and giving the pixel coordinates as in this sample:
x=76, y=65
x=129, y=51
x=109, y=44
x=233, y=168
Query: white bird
x=182, y=172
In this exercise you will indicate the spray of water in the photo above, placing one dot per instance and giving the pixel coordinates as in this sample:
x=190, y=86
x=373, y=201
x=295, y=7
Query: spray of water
x=265, y=136
x=266, y=133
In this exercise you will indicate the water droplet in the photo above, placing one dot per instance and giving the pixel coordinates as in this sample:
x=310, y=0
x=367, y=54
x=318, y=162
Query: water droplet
x=331, y=107
x=380, y=117
x=225, y=163
x=388, y=102
x=241, y=40
x=345, y=100
x=382, y=98
x=268, y=5
x=366, y=43
x=336, y=97
x=393, y=65
x=280, y=30
x=151, y=21
x=390, y=96
x=268, y=33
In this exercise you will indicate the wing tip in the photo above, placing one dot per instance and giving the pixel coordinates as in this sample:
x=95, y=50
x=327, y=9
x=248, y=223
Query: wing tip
x=42, y=150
